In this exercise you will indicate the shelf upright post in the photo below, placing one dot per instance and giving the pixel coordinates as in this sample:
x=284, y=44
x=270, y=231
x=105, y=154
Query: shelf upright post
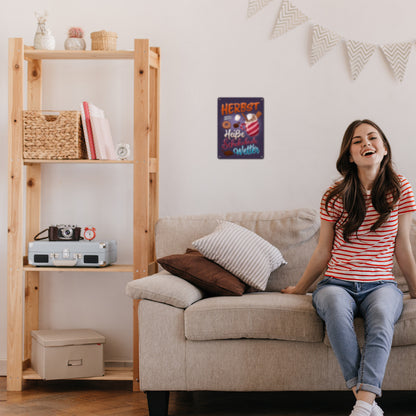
x=141, y=181
x=15, y=217
x=154, y=112
x=33, y=198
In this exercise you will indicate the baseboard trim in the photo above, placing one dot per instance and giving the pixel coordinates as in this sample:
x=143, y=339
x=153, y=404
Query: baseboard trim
x=3, y=367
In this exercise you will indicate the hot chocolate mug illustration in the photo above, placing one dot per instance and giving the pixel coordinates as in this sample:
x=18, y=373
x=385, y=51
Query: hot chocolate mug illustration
x=251, y=124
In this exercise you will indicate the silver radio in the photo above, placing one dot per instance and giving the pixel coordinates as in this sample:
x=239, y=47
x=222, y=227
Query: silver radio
x=72, y=253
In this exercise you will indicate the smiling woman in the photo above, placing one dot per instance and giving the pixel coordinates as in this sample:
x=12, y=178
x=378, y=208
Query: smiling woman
x=365, y=220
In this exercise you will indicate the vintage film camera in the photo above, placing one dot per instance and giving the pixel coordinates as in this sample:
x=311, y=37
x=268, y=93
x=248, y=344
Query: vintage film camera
x=64, y=232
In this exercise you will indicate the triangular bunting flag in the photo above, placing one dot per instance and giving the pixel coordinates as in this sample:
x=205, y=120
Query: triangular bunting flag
x=289, y=17
x=359, y=54
x=255, y=5
x=397, y=55
x=323, y=40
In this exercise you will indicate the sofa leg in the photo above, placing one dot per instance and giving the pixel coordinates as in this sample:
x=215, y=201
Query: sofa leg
x=158, y=403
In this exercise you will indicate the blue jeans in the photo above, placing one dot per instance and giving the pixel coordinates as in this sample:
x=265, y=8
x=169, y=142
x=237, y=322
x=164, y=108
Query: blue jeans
x=380, y=303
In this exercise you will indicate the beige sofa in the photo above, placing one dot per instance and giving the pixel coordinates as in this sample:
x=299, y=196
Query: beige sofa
x=265, y=341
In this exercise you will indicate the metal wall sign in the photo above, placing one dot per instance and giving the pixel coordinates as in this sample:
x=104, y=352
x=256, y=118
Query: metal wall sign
x=240, y=128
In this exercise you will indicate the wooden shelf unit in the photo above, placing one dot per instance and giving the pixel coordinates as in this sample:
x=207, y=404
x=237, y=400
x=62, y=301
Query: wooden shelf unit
x=23, y=279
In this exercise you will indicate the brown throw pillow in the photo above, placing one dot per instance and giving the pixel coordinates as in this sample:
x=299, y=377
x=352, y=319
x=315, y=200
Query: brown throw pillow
x=203, y=273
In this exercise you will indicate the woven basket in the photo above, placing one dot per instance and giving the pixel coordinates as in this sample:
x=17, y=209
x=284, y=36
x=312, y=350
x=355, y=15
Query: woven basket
x=48, y=136
x=103, y=41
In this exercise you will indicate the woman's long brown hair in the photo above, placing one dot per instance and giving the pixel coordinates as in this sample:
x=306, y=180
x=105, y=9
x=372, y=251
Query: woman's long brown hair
x=384, y=194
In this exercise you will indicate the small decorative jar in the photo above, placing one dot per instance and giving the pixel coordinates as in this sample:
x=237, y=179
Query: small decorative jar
x=43, y=37
x=75, y=40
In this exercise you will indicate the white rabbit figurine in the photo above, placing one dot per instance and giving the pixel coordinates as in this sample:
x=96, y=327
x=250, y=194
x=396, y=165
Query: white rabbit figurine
x=43, y=37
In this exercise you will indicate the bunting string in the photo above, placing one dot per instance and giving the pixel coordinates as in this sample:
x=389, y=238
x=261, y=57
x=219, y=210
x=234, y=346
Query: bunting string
x=255, y=5
x=397, y=54
x=323, y=40
x=289, y=18
x=359, y=54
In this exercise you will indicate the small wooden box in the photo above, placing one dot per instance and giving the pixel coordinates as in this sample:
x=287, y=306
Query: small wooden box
x=63, y=354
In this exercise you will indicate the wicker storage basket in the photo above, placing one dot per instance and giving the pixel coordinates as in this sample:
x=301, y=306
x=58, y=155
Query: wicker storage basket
x=48, y=136
x=103, y=41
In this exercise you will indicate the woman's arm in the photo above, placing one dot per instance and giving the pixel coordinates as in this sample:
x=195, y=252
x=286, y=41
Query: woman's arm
x=404, y=254
x=318, y=261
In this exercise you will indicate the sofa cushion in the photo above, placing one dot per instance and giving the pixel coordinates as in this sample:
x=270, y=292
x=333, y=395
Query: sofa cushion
x=404, y=331
x=203, y=273
x=242, y=252
x=163, y=287
x=295, y=232
x=255, y=315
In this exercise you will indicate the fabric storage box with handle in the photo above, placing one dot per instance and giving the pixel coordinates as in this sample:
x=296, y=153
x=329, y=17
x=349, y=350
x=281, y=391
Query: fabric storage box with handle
x=63, y=354
x=53, y=135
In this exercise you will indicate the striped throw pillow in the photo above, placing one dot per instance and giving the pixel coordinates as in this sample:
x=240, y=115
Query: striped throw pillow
x=242, y=252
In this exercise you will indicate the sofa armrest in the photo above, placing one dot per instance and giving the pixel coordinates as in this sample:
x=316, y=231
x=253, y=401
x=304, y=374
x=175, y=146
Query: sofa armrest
x=166, y=288
x=162, y=347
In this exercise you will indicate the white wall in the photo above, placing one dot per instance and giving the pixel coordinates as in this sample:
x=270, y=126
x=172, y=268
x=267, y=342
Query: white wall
x=209, y=50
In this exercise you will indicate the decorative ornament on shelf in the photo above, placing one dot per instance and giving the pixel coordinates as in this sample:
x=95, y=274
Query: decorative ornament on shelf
x=123, y=151
x=75, y=40
x=43, y=37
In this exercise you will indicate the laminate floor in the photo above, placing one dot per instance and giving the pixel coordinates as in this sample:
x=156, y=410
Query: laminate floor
x=106, y=398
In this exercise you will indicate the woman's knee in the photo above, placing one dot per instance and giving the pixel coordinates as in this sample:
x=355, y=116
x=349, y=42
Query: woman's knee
x=334, y=301
x=383, y=306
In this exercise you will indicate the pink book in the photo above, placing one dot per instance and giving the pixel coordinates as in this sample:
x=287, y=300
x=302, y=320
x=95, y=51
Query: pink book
x=84, y=129
x=89, y=130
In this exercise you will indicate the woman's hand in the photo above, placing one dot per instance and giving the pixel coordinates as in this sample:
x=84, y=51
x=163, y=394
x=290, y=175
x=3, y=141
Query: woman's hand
x=293, y=290
x=404, y=252
x=318, y=261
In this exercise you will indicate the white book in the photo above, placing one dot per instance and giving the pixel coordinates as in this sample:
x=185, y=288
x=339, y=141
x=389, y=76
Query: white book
x=102, y=138
x=109, y=149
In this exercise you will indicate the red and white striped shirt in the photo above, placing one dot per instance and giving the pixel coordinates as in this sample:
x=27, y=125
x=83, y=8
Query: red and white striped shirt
x=369, y=254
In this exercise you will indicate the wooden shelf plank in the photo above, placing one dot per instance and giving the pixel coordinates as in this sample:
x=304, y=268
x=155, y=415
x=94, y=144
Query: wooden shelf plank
x=153, y=162
x=31, y=53
x=37, y=54
x=111, y=373
x=112, y=269
x=85, y=161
